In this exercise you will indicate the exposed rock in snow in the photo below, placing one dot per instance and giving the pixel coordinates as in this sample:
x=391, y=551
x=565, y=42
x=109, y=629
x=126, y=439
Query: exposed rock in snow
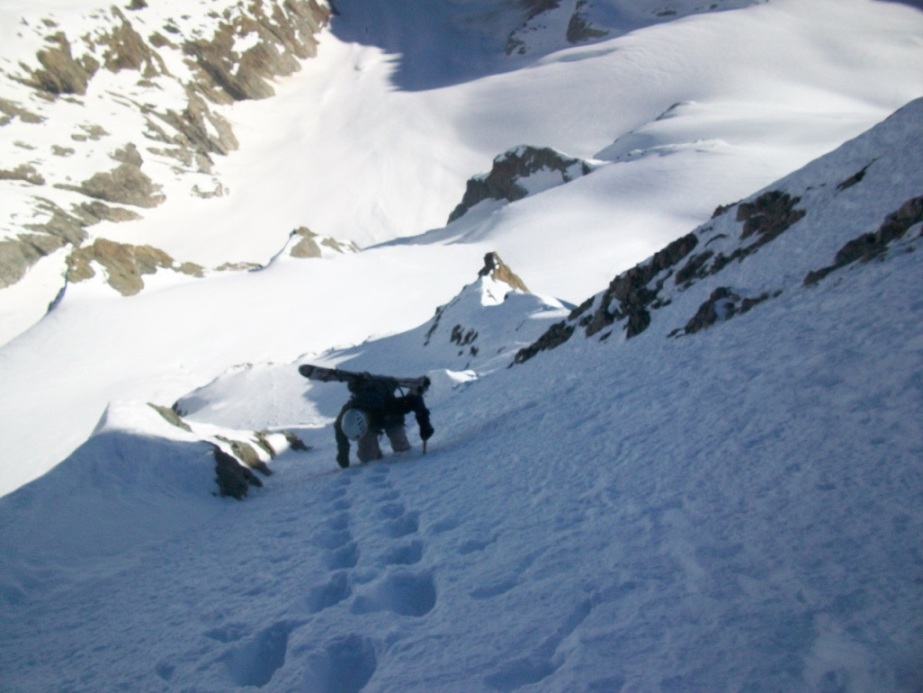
x=486, y=321
x=817, y=203
x=154, y=85
x=499, y=271
x=552, y=24
x=518, y=173
x=304, y=243
x=237, y=453
x=124, y=265
x=870, y=246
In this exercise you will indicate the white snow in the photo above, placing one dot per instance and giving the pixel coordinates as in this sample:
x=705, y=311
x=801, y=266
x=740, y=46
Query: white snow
x=738, y=509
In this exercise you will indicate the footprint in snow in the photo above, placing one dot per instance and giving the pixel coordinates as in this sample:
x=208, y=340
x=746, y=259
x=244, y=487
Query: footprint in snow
x=334, y=591
x=546, y=658
x=344, y=665
x=402, y=525
x=390, y=511
x=345, y=556
x=403, y=592
x=406, y=554
x=331, y=539
x=254, y=661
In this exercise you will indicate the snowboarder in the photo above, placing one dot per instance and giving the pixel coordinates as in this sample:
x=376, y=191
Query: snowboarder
x=373, y=408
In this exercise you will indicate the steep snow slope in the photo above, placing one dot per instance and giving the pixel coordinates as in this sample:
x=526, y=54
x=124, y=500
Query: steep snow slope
x=342, y=149
x=736, y=509
x=787, y=237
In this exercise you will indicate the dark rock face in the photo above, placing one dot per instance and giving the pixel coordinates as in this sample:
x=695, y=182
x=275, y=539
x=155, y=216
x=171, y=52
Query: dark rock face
x=505, y=180
x=554, y=337
x=579, y=28
x=285, y=37
x=869, y=246
x=632, y=292
x=629, y=298
x=466, y=336
x=723, y=304
x=60, y=72
x=769, y=215
x=233, y=478
x=764, y=220
x=633, y=295
x=716, y=274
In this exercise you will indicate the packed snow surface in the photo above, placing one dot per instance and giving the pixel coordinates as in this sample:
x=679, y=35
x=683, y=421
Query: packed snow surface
x=732, y=511
x=367, y=143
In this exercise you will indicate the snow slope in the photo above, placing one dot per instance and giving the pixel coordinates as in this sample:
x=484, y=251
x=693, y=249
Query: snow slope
x=735, y=509
x=349, y=151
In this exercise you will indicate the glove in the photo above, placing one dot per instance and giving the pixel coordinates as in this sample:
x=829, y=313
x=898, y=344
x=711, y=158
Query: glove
x=343, y=459
x=426, y=430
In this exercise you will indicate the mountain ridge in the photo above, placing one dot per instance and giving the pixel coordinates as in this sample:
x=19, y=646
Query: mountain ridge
x=888, y=150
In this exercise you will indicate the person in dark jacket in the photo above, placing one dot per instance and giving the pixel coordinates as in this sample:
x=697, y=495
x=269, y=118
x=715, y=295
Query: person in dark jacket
x=374, y=408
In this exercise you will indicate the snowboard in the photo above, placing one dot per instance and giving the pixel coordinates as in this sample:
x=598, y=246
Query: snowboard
x=337, y=375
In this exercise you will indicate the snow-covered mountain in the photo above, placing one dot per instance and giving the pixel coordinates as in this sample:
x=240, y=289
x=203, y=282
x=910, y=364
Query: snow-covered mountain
x=727, y=505
x=703, y=477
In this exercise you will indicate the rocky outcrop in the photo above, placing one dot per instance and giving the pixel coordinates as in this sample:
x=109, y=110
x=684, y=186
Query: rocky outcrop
x=764, y=219
x=197, y=132
x=231, y=52
x=236, y=456
x=509, y=177
x=499, y=271
x=579, y=27
x=234, y=479
x=125, y=184
x=629, y=299
x=11, y=110
x=307, y=244
x=633, y=295
x=723, y=304
x=281, y=35
x=489, y=320
x=125, y=265
x=869, y=246
x=60, y=72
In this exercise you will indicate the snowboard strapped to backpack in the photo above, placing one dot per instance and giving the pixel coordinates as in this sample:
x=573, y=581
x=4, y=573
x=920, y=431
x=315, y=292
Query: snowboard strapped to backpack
x=337, y=375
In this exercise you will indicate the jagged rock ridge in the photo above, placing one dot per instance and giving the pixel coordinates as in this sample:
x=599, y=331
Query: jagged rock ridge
x=757, y=249
x=490, y=319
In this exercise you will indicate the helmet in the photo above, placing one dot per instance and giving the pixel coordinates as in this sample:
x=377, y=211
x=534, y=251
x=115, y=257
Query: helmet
x=355, y=424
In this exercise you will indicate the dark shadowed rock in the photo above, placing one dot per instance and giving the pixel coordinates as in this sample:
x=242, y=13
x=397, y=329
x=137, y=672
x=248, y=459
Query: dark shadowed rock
x=233, y=478
x=506, y=179
x=869, y=246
